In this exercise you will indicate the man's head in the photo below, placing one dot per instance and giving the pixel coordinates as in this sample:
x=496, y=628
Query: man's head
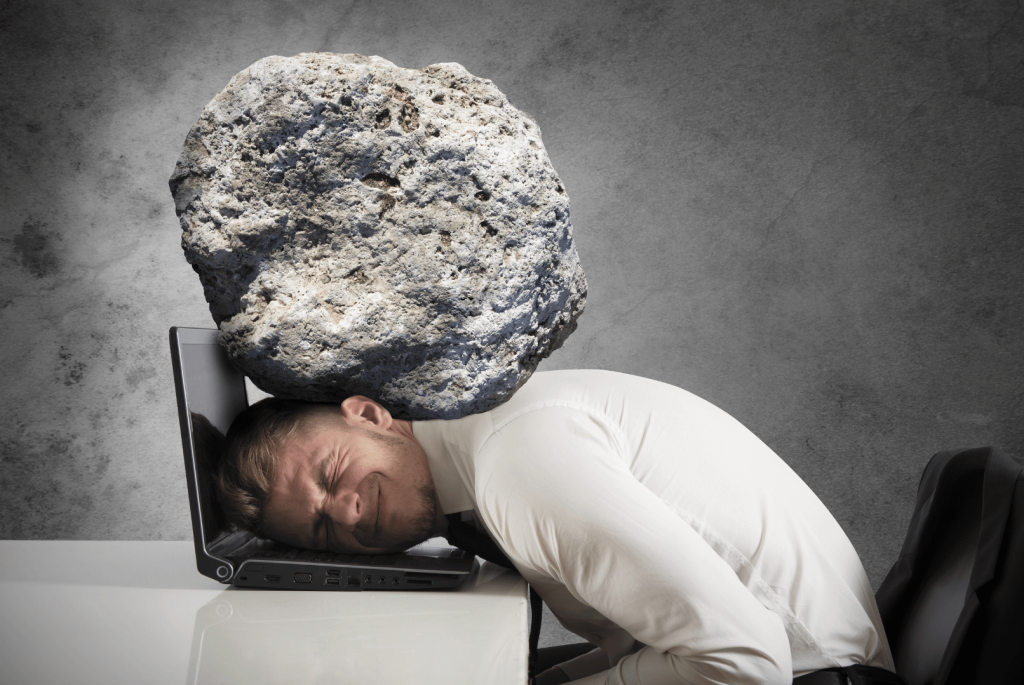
x=346, y=477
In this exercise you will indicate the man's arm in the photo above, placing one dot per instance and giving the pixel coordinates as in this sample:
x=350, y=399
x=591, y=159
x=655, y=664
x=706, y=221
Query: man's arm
x=561, y=501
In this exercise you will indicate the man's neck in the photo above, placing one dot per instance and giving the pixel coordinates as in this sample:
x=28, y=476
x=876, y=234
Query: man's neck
x=404, y=428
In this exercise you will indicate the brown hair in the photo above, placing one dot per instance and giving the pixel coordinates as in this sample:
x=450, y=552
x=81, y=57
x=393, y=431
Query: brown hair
x=250, y=456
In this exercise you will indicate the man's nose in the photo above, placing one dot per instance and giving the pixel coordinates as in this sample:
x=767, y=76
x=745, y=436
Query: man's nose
x=348, y=509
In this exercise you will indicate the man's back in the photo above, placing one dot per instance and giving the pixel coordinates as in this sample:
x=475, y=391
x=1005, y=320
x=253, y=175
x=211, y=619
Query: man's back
x=641, y=511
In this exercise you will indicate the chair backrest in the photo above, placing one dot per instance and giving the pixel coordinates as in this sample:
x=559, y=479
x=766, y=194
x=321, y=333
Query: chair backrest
x=937, y=599
x=933, y=600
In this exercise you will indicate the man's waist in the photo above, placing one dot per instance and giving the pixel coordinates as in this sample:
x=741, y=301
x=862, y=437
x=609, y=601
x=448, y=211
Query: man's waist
x=851, y=675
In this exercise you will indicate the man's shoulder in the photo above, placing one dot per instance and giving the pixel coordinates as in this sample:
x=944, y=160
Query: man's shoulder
x=578, y=385
x=559, y=413
x=595, y=391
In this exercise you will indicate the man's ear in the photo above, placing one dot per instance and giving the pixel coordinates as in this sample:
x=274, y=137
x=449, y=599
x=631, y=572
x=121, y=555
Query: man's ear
x=358, y=410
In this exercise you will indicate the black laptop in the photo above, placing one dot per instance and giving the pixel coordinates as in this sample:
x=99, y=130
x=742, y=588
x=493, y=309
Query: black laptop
x=211, y=392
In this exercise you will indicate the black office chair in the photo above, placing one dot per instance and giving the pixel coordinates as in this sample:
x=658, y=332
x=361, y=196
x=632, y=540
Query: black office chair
x=953, y=604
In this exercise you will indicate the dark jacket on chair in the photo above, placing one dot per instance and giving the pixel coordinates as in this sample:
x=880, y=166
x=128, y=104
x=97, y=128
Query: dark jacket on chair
x=953, y=604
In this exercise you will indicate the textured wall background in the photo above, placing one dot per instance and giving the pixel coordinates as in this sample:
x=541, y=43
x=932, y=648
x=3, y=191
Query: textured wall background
x=808, y=213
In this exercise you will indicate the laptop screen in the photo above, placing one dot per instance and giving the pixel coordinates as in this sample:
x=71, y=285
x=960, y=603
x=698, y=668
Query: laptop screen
x=214, y=393
x=211, y=393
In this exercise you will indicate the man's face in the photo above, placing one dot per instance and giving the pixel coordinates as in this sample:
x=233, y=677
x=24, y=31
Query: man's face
x=348, y=485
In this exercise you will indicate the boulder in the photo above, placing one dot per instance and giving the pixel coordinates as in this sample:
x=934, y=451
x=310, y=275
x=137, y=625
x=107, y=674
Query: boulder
x=360, y=228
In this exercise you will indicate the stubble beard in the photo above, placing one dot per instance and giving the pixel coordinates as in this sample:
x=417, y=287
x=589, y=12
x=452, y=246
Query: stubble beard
x=422, y=527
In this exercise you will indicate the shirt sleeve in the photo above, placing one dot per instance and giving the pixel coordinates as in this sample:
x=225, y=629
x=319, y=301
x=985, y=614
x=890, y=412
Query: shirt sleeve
x=555, y=490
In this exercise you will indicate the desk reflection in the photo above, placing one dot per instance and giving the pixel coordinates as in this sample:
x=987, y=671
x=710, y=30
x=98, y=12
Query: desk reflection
x=474, y=634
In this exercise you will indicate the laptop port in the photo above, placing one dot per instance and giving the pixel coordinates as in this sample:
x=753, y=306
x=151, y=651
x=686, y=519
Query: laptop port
x=382, y=580
x=272, y=578
x=332, y=581
x=334, y=574
x=303, y=578
x=353, y=581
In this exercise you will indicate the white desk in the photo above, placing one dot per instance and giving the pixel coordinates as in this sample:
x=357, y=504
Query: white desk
x=139, y=612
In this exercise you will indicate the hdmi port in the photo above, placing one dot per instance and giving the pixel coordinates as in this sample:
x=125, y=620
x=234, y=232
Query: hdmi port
x=272, y=579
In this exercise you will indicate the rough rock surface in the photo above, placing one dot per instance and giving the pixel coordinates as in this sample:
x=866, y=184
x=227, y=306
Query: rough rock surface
x=361, y=228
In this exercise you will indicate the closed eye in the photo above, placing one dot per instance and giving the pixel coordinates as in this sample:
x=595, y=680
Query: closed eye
x=326, y=477
x=335, y=476
x=328, y=523
x=327, y=480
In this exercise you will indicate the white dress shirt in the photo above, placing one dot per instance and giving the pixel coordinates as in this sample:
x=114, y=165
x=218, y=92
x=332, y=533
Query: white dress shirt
x=639, y=511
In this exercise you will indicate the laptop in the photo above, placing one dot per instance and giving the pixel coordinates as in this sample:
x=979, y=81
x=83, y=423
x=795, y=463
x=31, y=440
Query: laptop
x=211, y=392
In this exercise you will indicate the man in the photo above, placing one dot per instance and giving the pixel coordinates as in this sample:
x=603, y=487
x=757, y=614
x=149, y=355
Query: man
x=652, y=523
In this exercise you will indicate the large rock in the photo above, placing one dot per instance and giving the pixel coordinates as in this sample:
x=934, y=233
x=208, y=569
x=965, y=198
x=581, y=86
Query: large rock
x=360, y=228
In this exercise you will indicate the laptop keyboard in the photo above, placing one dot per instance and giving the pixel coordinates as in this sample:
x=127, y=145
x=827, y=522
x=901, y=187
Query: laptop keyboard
x=297, y=554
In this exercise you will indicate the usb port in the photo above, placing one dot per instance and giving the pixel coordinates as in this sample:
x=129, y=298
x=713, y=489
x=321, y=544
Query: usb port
x=272, y=579
x=303, y=578
x=333, y=581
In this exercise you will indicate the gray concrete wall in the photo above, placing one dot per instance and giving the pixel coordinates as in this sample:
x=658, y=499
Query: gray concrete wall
x=808, y=213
